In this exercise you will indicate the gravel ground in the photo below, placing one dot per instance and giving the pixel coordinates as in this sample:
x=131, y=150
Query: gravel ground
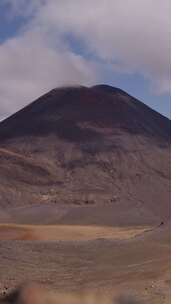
x=141, y=265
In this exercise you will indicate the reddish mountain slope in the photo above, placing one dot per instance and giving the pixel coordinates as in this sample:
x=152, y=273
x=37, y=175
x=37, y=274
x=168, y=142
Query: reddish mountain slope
x=97, y=149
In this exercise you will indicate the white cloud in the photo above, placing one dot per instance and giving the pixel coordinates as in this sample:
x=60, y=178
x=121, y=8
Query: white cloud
x=30, y=66
x=132, y=35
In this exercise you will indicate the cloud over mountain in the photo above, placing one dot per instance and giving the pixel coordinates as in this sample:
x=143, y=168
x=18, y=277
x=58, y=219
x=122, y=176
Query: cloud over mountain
x=68, y=42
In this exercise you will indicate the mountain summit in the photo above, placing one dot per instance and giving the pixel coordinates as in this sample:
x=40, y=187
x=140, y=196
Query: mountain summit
x=98, y=152
x=77, y=113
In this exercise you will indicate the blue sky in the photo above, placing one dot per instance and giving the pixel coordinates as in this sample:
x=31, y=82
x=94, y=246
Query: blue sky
x=49, y=44
x=8, y=27
x=137, y=86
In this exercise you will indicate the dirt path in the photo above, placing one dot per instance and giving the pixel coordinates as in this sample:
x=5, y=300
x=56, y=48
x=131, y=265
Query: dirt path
x=66, y=232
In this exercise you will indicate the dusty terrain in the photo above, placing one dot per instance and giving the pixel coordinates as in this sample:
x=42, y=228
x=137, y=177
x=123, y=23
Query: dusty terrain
x=67, y=232
x=85, y=183
x=138, y=265
x=97, y=148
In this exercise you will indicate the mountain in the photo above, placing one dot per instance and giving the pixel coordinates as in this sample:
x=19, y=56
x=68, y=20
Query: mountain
x=95, y=155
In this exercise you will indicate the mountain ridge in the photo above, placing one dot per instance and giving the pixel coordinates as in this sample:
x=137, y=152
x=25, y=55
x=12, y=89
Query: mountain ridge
x=47, y=103
x=99, y=152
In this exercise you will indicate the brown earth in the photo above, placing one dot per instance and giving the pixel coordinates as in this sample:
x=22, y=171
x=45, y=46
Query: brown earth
x=67, y=232
x=97, y=154
x=97, y=162
x=139, y=266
